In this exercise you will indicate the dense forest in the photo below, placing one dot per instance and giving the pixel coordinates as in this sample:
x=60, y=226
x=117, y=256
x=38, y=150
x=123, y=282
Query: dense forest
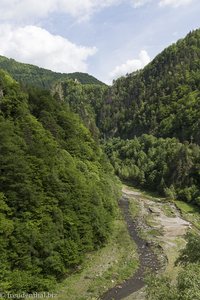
x=163, y=99
x=61, y=141
x=162, y=165
x=155, y=115
x=85, y=100
x=58, y=191
x=32, y=75
x=152, y=129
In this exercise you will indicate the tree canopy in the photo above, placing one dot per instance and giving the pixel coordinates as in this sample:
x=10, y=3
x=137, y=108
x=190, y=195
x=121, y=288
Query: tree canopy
x=57, y=189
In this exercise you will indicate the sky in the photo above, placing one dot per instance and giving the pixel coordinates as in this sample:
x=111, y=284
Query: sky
x=105, y=38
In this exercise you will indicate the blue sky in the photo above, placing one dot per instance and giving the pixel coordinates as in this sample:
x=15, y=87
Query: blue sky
x=106, y=38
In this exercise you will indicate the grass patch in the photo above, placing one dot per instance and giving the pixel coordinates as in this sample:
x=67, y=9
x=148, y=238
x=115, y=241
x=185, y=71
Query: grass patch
x=167, y=210
x=150, y=195
x=103, y=269
x=186, y=207
x=134, y=207
x=149, y=220
x=154, y=232
x=190, y=212
x=150, y=234
x=172, y=254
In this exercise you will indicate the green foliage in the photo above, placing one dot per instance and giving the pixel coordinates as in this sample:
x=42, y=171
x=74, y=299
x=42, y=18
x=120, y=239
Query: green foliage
x=157, y=164
x=191, y=253
x=160, y=289
x=186, y=288
x=188, y=281
x=57, y=190
x=163, y=99
x=85, y=100
x=38, y=77
x=187, y=284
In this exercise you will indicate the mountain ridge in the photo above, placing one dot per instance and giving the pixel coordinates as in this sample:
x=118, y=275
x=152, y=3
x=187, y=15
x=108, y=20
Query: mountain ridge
x=41, y=77
x=58, y=191
x=151, y=100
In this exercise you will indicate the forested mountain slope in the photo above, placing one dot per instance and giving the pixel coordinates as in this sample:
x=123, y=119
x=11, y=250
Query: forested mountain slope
x=155, y=113
x=163, y=165
x=85, y=100
x=39, y=77
x=151, y=119
x=163, y=99
x=57, y=189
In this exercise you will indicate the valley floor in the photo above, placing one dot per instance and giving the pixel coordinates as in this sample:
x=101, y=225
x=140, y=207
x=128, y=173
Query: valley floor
x=104, y=268
x=160, y=223
x=158, y=229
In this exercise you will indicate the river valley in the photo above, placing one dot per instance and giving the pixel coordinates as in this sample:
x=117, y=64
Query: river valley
x=157, y=228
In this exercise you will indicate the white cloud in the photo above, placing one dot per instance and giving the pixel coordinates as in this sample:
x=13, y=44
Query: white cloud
x=26, y=9
x=131, y=65
x=37, y=46
x=138, y=3
x=33, y=10
x=83, y=9
x=174, y=3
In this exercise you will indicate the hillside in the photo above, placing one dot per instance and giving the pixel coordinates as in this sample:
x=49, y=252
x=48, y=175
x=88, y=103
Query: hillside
x=57, y=190
x=165, y=165
x=40, y=77
x=155, y=113
x=150, y=119
x=163, y=99
x=85, y=100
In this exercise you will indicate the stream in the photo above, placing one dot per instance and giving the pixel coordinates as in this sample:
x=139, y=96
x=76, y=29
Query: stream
x=147, y=259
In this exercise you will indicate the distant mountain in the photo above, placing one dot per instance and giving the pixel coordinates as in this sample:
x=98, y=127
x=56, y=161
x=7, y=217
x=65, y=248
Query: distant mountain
x=163, y=99
x=40, y=77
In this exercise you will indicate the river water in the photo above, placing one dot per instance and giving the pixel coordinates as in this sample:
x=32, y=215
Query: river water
x=147, y=259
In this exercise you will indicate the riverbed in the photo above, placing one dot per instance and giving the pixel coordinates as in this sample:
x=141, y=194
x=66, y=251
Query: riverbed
x=158, y=230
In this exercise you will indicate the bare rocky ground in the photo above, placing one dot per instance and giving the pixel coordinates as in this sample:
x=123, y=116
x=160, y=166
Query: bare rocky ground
x=147, y=258
x=160, y=223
